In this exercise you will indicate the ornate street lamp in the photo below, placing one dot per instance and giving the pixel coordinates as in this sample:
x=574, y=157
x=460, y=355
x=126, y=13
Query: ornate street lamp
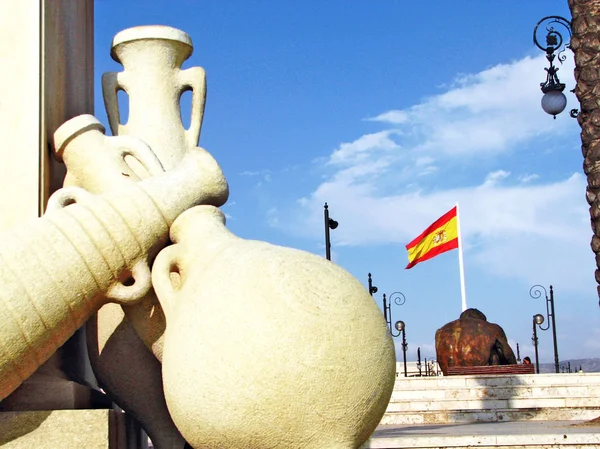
x=401, y=328
x=538, y=320
x=553, y=101
x=329, y=224
x=536, y=292
x=399, y=299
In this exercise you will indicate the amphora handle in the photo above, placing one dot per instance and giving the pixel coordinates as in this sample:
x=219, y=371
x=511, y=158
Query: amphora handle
x=138, y=149
x=112, y=83
x=167, y=277
x=140, y=285
x=194, y=79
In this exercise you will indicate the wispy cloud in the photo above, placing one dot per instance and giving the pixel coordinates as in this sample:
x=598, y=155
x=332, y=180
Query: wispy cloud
x=362, y=148
x=494, y=177
x=528, y=178
x=264, y=175
x=380, y=193
x=492, y=111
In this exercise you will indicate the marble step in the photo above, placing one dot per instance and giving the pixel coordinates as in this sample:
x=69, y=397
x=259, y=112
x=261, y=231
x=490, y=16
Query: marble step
x=533, y=401
x=464, y=399
x=505, y=435
x=489, y=415
x=497, y=393
x=462, y=382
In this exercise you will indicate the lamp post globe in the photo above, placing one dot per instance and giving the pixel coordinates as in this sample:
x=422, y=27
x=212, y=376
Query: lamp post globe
x=554, y=102
x=539, y=319
x=399, y=326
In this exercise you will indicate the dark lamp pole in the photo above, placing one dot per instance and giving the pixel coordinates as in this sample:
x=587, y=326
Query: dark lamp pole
x=329, y=224
x=399, y=299
x=401, y=328
x=537, y=321
x=536, y=292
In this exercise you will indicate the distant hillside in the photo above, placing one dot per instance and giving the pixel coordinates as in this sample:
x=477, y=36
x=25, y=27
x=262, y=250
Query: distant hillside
x=588, y=366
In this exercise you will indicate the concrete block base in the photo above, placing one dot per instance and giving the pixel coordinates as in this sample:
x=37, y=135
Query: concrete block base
x=70, y=429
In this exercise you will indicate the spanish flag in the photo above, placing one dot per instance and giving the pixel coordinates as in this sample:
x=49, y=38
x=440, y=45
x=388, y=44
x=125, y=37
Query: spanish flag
x=438, y=238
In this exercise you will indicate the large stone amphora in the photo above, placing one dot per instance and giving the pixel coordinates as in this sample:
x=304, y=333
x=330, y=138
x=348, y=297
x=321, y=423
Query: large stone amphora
x=265, y=346
x=154, y=81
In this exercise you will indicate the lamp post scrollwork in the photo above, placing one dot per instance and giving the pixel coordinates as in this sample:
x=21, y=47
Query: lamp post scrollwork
x=399, y=299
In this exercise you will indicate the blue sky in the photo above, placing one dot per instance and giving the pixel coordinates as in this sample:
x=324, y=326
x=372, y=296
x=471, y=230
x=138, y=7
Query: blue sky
x=392, y=111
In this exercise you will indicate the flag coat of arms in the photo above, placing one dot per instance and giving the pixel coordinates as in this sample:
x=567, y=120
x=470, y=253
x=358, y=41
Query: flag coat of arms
x=439, y=237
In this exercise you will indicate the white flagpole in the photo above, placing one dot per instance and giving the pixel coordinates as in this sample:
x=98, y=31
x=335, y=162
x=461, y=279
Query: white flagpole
x=460, y=262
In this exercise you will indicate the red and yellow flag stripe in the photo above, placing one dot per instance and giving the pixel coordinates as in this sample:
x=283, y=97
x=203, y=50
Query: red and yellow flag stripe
x=438, y=238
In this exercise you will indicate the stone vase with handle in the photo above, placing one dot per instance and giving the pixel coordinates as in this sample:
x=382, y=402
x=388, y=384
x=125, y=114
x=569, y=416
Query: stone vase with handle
x=258, y=333
x=154, y=82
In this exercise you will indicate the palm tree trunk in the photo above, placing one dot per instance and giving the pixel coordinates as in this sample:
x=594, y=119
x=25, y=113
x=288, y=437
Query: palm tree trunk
x=585, y=44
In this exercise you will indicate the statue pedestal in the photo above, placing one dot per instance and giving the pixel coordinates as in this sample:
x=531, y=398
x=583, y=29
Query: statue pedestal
x=70, y=429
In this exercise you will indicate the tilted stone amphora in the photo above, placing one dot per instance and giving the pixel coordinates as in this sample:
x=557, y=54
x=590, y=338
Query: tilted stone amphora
x=87, y=250
x=154, y=82
x=267, y=346
x=121, y=362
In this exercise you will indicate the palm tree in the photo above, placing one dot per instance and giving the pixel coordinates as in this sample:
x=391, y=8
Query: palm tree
x=585, y=43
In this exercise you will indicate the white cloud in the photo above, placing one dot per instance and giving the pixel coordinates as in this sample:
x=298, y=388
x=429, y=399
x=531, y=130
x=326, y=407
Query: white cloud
x=490, y=112
x=430, y=169
x=494, y=177
x=362, y=148
x=377, y=188
x=265, y=175
x=528, y=178
x=425, y=160
x=395, y=117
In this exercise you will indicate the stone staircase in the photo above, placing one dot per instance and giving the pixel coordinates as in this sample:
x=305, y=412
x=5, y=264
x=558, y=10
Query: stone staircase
x=523, y=411
x=478, y=399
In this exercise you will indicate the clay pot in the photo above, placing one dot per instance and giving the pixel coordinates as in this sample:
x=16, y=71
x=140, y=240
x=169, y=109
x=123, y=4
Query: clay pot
x=265, y=346
x=154, y=81
x=99, y=163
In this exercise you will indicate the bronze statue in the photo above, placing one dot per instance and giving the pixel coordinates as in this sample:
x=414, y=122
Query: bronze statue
x=472, y=341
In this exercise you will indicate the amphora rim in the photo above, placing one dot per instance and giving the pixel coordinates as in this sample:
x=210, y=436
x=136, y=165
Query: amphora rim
x=150, y=32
